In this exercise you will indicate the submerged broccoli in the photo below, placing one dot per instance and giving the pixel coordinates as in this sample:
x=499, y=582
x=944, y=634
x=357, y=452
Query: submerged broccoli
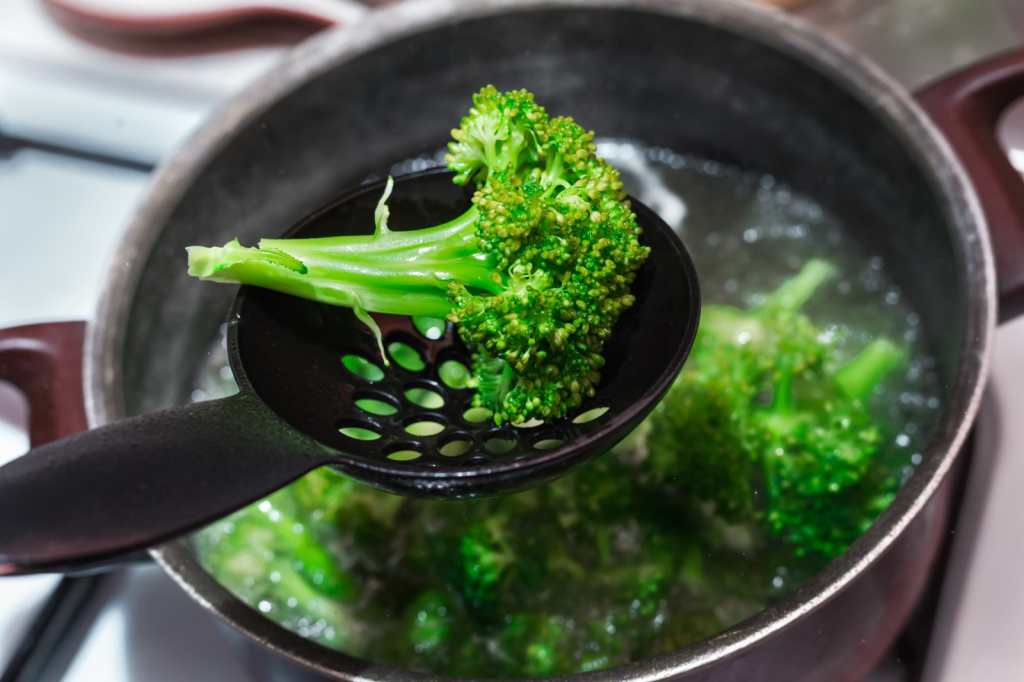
x=689, y=526
x=766, y=426
x=534, y=274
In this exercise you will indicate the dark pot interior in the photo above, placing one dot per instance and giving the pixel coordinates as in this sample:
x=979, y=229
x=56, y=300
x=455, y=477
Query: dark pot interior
x=725, y=85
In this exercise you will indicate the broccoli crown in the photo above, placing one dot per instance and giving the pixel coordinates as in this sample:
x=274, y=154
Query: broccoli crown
x=534, y=275
x=554, y=222
x=766, y=425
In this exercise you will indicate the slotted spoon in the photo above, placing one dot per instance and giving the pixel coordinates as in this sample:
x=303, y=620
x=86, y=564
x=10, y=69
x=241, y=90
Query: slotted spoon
x=314, y=392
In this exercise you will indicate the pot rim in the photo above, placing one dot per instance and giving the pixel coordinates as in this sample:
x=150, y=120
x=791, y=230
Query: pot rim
x=874, y=89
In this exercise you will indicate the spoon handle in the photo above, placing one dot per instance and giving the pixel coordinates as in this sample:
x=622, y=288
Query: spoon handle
x=85, y=499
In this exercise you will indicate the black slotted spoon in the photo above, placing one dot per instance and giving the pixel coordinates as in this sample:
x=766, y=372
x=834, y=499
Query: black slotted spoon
x=313, y=391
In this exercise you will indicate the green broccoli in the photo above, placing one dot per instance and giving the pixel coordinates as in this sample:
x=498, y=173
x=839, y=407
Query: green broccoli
x=767, y=426
x=432, y=625
x=689, y=526
x=482, y=562
x=534, y=274
x=280, y=564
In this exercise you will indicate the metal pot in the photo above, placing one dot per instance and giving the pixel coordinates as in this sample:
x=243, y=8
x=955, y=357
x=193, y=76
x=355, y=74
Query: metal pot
x=720, y=79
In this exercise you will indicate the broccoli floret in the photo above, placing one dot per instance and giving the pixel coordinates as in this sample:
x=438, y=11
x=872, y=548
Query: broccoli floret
x=432, y=625
x=768, y=427
x=269, y=557
x=482, y=561
x=534, y=274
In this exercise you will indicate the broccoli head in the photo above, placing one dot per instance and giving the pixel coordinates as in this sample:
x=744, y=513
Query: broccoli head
x=767, y=426
x=534, y=274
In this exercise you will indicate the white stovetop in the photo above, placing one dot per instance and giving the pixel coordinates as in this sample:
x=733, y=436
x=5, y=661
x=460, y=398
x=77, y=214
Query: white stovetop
x=61, y=217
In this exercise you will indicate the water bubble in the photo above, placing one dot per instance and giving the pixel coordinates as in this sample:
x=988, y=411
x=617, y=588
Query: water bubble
x=903, y=440
x=911, y=399
x=265, y=606
x=871, y=281
x=916, y=458
x=750, y=235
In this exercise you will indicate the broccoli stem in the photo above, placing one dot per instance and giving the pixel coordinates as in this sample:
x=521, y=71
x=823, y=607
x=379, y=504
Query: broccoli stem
x=858, y=377
x=782, y=418
x=401, y=273
x=783, y=399
x=797, y=290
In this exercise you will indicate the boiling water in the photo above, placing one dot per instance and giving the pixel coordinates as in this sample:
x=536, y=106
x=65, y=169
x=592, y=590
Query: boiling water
x=746, y=233
x=749, y=232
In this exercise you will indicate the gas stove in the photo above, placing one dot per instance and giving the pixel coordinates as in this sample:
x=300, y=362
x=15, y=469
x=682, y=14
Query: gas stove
x=81, y=128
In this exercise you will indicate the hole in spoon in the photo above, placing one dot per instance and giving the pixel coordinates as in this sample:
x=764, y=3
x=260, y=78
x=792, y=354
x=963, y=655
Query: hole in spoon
x=477, y=415
x=453, y=374
x=548, y=443
x=456, y=446
x=362, y=368
x=406, y=357
x=359, y=433
x=404, y=455
x=589, y=415
x=376, y=405
x=424, y=397
x=431, y=327
x=499, y=445
x=424, y=427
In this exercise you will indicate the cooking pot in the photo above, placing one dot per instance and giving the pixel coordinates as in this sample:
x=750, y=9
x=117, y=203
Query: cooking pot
x=719, y=79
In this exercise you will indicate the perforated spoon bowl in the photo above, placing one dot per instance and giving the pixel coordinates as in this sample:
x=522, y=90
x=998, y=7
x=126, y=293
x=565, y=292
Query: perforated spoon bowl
x=313, y=391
